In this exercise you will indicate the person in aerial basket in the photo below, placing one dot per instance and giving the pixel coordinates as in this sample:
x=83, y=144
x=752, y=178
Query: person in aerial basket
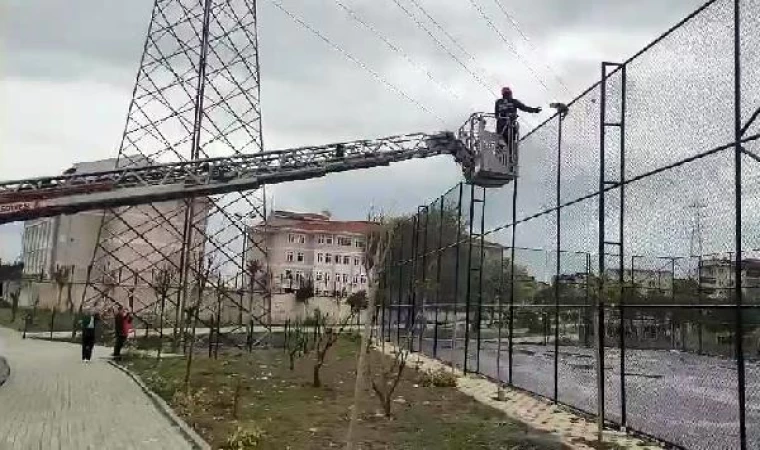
x=506, y=115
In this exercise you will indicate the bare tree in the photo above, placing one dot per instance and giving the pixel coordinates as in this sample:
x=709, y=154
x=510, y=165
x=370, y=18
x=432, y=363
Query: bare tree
x=296, y=341
x=384, y=382
x=202, y=273
x=376, y=252
x=162, y=284
x=253, y=268
x=327, y=334
x=221, y=291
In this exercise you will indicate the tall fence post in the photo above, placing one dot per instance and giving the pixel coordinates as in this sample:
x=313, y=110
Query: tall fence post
x=423, y=275
x=512, y=289
x=456, y=271
x=738, y=224
x=438, y=276
x=469, y=280
x=401, y=263
x=480, y=274
x=500, y=296
x=413, y=285
x=558, y=261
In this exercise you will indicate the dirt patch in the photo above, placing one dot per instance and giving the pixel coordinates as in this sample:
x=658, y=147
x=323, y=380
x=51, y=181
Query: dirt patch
x=283, y=407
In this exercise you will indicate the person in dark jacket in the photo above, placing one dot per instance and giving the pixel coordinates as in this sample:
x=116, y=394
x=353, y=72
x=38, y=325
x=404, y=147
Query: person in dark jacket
x=506, y=111
x=88, y=324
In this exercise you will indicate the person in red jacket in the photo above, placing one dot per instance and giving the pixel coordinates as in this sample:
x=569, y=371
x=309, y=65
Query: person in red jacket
x=122, y=327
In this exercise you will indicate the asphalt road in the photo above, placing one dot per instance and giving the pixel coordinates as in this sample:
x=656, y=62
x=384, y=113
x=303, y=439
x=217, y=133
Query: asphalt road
x=682, y=398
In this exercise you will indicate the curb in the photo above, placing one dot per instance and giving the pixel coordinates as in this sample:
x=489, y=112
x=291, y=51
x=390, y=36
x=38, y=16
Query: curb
x=192, y=437
x=5, y=370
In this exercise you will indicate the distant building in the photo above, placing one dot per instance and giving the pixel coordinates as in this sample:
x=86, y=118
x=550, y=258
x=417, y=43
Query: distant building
x=130, y=243
x=644, y=280
x=717, y=277
x=312, y=248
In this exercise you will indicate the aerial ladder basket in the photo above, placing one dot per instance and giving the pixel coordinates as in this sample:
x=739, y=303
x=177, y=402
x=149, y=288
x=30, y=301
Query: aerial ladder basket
x=491, y=162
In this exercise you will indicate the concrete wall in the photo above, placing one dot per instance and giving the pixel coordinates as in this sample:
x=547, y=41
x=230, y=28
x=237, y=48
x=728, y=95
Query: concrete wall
x=284, y=307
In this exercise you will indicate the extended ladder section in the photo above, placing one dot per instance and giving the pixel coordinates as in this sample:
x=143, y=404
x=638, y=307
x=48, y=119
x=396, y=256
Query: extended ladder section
x=132, y=183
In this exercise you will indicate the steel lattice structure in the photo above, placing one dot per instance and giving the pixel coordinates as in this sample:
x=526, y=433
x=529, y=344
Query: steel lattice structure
x=196, y=96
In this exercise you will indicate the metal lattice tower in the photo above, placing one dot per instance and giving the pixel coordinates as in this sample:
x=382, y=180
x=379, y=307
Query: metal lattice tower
x=196, y=96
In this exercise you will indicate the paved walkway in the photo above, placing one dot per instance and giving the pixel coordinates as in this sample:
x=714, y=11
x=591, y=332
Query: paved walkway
x=54, y=401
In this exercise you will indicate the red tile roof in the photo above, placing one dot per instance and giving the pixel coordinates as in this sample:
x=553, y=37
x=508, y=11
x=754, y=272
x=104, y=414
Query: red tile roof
x=315, y=223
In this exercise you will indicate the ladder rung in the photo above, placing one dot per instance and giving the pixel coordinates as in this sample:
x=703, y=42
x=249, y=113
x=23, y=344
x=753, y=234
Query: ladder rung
x=613, y=124
x=612, y=243
x=611, y=183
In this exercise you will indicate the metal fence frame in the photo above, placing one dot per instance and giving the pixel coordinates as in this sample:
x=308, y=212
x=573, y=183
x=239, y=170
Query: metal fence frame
x=428, y=246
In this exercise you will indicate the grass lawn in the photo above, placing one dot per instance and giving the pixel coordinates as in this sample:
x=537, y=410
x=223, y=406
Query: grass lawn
x=42, y=320
x=288, y=413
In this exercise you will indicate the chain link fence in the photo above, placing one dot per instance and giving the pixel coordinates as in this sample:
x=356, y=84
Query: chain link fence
x=619, y=275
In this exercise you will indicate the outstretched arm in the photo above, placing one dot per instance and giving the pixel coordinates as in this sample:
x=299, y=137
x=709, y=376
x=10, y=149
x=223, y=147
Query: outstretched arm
x=523, y=107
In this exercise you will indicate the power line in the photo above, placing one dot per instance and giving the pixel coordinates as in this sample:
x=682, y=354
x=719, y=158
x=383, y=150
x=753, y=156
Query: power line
x=397, y=49
x=356, y=61
x=443, y=47
x=519, y=30
x=450, y=37
x=509, y=45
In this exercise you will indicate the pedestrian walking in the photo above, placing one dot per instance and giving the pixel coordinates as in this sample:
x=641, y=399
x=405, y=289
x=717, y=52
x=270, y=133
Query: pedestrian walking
x=122, y=327
x=88, y=324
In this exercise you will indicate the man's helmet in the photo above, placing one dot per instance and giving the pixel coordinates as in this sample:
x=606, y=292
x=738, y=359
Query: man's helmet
x=506, y=91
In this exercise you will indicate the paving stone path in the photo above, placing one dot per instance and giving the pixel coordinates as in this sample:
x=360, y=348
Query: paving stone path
x=54, y=401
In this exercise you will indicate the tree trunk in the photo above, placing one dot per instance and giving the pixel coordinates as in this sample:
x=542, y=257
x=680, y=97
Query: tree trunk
x=190, y=354
x=317, y=382
x=161, y=326
x=387, y=406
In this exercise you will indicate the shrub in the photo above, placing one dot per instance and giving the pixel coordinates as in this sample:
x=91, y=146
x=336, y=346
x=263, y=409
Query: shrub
x=304, y=293
x=191, y=404
x=438, y=378
x=244, y=438
x=358, y=301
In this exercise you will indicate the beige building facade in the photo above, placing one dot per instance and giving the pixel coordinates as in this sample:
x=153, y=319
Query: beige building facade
x=313, y=248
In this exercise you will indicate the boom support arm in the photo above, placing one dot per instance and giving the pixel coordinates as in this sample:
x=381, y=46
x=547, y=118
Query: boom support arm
x=71, y=193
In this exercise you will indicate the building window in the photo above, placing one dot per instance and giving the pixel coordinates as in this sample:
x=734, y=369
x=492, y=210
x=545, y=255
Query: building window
x=318, y=275
x=296, y=238
x=345, y=278
x=344, y=241
x=356, y=260
x=289, y=257
x=327, y=277
x=347, y=260
x=300, y=257
x=328, y=258
x=356, y=279
x=359, y=243
x=299, y=276
x=288, y=274
x=328, y=239
x=363, y=279
x=320, y=257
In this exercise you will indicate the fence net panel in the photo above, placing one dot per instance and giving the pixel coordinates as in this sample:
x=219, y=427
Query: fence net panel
x=655, y=242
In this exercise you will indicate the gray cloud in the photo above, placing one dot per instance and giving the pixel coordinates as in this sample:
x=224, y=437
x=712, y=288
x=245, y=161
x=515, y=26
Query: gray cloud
x=70, y=66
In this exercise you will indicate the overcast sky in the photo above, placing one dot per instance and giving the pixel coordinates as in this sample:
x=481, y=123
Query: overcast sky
x=68, y=70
